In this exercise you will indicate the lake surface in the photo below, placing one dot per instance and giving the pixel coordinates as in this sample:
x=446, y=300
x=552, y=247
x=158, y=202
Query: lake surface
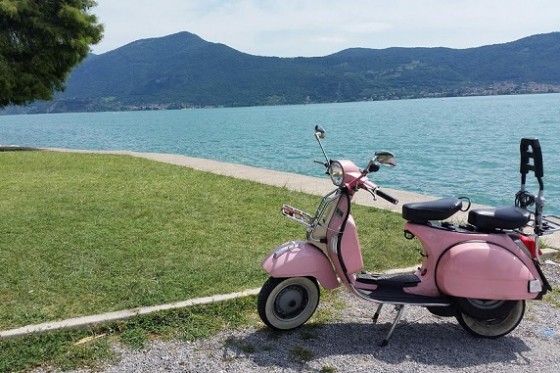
x=452, y=146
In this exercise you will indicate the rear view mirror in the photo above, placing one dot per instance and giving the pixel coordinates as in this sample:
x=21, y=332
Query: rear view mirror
x=319, y=132
x=386, y=158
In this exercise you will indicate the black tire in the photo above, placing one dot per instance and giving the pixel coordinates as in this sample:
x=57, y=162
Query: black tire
x=493, y=327
x=287, y=303
x=484, y=309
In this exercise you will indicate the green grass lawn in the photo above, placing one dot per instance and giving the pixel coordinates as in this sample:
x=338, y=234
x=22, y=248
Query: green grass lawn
x=84, y=234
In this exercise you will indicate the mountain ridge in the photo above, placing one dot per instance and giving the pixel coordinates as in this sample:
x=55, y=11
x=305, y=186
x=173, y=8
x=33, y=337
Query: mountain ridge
x=183, y=70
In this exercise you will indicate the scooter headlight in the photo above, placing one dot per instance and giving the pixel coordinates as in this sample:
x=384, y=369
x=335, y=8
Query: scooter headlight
x=337, y=173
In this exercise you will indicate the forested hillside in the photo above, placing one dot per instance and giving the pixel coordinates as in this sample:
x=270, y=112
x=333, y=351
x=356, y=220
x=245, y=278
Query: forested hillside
x=182, y=70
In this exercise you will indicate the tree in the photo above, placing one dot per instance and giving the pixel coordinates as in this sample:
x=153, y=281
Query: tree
x=40, y=42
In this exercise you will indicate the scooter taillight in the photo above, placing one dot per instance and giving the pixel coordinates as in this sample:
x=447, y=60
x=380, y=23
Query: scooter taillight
x=530, y=244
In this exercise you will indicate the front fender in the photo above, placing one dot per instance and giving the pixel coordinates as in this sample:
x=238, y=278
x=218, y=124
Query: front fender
x=483, y=270
x=300, y=258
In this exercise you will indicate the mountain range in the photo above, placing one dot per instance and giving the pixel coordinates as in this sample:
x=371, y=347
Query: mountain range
x=182, y=71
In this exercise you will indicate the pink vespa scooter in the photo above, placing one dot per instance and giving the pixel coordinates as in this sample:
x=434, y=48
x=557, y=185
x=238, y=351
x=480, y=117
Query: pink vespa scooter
x=481, y=272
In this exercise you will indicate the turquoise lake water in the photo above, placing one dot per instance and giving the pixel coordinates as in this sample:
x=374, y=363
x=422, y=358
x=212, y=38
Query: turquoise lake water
x=452, y=146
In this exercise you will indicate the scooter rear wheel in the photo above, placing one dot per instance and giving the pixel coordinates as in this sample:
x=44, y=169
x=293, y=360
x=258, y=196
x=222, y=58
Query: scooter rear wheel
x=493, y=326
x=287, y=303
x=484, y=309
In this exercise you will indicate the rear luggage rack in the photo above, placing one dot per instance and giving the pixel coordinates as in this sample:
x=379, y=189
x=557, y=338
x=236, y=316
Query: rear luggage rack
x=550, y=224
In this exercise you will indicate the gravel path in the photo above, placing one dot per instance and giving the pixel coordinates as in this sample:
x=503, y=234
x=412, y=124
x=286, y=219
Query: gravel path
x=422, y=343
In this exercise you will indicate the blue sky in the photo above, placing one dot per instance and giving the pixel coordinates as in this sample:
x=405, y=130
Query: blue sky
x=291, y=28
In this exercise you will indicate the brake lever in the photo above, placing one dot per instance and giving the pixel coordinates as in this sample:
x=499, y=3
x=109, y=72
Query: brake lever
x=372, y=192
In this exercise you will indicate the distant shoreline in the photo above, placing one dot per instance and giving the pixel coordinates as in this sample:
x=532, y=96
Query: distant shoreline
x=43, y=108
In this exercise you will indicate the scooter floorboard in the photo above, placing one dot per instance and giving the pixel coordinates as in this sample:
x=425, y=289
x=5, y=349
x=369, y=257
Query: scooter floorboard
x=398, y=280
x=394, y=295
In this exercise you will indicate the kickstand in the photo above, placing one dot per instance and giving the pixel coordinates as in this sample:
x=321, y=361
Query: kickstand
x=399, y=309
x=377, y=312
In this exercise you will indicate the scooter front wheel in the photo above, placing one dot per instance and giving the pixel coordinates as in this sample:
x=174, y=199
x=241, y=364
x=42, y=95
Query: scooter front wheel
x=287, y=303
x=495, y=326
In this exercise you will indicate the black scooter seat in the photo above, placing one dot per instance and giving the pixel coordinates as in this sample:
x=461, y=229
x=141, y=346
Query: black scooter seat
x=499, y=218
x=422, y=212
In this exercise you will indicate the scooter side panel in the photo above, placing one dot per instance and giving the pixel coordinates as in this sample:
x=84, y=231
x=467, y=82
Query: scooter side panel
x=350, y=247
x=300, y=258
x=483, y=270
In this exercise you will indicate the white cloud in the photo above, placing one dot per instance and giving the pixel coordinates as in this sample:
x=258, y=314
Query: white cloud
x=319, y=27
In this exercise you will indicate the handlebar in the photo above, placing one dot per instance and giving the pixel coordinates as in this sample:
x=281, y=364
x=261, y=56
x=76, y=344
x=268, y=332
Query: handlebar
x=386, y=197
x=324, y=164
x=375, y=191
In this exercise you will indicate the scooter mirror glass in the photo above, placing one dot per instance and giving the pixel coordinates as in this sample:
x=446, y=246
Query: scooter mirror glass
x=319, y=132
x=386, y=158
